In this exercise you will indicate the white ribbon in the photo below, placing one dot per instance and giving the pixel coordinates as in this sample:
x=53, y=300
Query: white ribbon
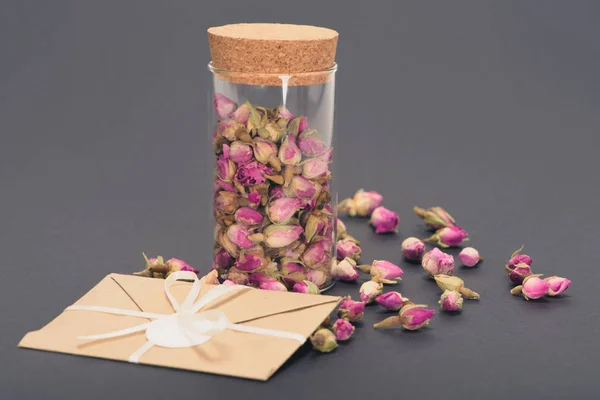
x=186, y=327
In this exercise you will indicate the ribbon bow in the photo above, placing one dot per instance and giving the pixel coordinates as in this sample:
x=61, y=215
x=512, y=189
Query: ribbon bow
x=187, y=327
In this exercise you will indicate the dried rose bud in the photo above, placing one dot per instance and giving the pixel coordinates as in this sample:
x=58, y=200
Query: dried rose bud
x=223, y=105
x=252, y=173
x=311, y=144
x=557, y=285
x=276, y=192
x=519, y=272
x=226, y=202
x=289, y=152
x=392, y=300
x=435, y=217
x=314, y=225
x=412, y=317
x=292, y=271
x=351, y=310
x=229, y=128
x=517, y=258
x=469, y=257
x=221, y=184
x=242, y=113
x=212, y=278
x=265, y=152
x=248, y=216
x=285, y=113
x=451, y=301
x=347, y=248
x=315, y=168
x=370, y=290
x=345, y=270
x=533, y=287
x=317, y=277
x=302, y=188
x=306, y=287
x=297, y=125
x=317, y=254
x=342, y=329
x=240, y=152
x=278, y=236
x=384, y=220
x=413, y=248
x=250, y=259
x=282, y=210
x=363, y=203
x=226, y=168
x=454, y=283
x=385, y=271
x=221, y=259
x=175, y=264
x=449, y=236
x=436, y=262
x=238, y=235
x=323, y=340
x=272, y=284
x=238, y=277
x=227, y=282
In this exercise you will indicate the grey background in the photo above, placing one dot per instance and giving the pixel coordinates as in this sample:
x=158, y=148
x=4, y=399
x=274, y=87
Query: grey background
x=487, y=108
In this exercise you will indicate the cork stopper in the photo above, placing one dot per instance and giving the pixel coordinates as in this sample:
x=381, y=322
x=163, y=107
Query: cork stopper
x=258, y=54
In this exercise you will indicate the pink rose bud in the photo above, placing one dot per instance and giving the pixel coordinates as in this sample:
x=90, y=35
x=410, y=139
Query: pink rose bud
x=451, y=301
x=517, y=258
x=315, y=168
x=415, y=316
x=221, y=184
x=242, y=113
x=392, y=300
x=533, y=287
x=370, y=290
x=362, y=204
x=413, y=248
x=436, y=262
x=347, y=248
x=264, y=150
x=223, y=105
x=454, y=283
x=175, y=264
x=449, y=236
x=222, y=259
x=318, y=254
x=272, y=284
x=229, y=128
x=342, y=329
x=306, y=287
x=212, y=278
x=469, y=257
x=226, y=168
x=227, y=282
x=323, y=340
x=314, y=225
x=302, y=188
x=252, y=173
x=278, y=236
x=345, y=270
x=226, y=202
x=240, y=152
x=386, y=270
x=238, y=277
x=285, y=113
x=303, y=124
x=384, y=220
x=281, y=211
x=519, y=272
x=238, y=235
x=289, y=152
x=250, y=259
x=317, y=277
x=351, y=310
x=292, y=271
x=557, y=285
x=248, y=216
x=276, y=193
x=435, y=217
x=311, y=144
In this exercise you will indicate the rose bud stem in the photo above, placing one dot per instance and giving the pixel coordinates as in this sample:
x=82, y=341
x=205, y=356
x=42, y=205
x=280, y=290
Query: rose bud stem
x=388, y=322
x=516, y=290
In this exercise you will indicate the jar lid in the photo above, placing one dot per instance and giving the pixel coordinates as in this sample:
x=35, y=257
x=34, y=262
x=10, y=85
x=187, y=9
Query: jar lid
x=253, y=51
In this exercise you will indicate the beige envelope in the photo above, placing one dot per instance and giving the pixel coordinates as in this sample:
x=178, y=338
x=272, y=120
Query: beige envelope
x=245, y=355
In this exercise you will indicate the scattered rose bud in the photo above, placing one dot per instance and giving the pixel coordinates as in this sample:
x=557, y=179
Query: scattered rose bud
x=411, y=316
x=454, y=283
x=436, y=262
x=533, y=287
x=384, y=220
x=435, y=217
x=324, y=340
x=392, y=300
x=385, y=271
x=469, y=257
x=223, y=105
x=363, y=203
x=240, y=152
x=351, y=310
x=212, y=278
x=278, y=236
x=221, y=259
x=248, y=216
x=451, y=301
x=238, y=235
x=449, y=236
x=519, y=272
x=370, y=290
x=272, y=284
x=342, y=329
x=517, y=258
x=282, y=210
x=345, y=270
x=306, y=287
x=311, y=144
x=318, y=277
x=413, y=249
x=317, y=254
x=557, y=285
x=175, y=264
x=347, y=248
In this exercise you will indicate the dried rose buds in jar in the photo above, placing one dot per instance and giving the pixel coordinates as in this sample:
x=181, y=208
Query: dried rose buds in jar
x=435, y=217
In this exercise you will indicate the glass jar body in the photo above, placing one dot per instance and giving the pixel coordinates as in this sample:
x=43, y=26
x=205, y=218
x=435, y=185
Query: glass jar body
x=272, y=188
